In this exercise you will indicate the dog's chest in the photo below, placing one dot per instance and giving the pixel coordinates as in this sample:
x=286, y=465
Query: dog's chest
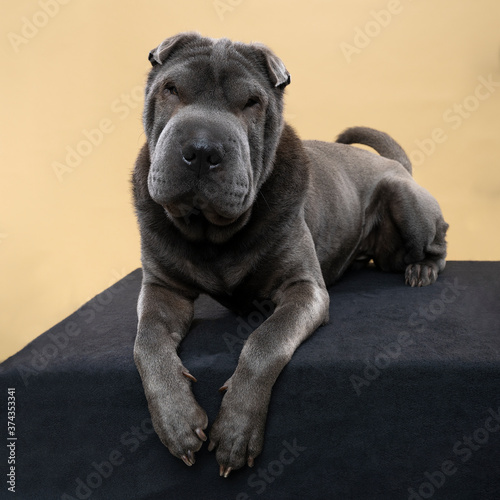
x=215, y=277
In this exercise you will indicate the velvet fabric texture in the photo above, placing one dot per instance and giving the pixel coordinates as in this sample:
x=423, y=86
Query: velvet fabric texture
x=397, y=397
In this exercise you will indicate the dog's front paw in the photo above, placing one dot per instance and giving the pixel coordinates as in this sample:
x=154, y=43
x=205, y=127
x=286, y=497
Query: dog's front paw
x=179, y=422
x=237, y=434
x=421, y=273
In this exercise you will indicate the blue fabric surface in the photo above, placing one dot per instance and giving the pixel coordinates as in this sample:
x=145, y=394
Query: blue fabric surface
x=397, y=397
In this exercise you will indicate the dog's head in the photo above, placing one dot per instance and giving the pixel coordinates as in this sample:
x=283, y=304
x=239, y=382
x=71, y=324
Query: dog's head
x=213, y=119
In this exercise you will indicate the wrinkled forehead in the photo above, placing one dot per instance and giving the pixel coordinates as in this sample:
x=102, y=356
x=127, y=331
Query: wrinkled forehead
x=218, y=67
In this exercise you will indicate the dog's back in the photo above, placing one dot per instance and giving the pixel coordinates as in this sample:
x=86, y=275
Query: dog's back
x=381, y=142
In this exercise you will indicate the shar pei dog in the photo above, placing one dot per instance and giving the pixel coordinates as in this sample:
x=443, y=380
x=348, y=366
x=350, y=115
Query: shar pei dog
x=231, y=203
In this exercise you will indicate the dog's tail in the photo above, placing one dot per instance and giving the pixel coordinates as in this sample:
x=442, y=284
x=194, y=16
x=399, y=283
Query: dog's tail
x=381, y=142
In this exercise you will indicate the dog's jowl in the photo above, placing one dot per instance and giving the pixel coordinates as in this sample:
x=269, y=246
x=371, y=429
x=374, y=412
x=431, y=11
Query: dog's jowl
x=231, y=203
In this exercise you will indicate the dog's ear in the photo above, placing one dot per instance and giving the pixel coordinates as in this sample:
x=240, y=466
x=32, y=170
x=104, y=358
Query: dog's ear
x=160, y=54
x=275, y=66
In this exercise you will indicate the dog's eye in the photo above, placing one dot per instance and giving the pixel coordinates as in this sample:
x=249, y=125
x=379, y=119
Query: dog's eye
x=171, y=89
x=251, y=102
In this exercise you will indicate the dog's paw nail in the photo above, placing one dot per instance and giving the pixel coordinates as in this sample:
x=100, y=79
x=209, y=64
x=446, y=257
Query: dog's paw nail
x=201, y=434
x=211, y=446
x=228, y=470
x=221, y=470
x=191, y=458
x=250, y=461
x=189, y=376
x=186, y=460
x=223, y=388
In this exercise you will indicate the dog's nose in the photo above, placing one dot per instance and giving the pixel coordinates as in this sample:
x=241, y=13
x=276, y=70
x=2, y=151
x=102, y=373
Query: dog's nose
x=202, y=156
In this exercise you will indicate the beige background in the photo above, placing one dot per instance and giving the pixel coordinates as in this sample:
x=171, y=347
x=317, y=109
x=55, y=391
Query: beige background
x=411, y=68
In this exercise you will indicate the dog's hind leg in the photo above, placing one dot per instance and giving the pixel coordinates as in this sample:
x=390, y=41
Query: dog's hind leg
x=410, y=234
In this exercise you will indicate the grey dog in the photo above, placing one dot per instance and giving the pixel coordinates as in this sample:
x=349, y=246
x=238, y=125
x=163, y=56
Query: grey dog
x=231, y=203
